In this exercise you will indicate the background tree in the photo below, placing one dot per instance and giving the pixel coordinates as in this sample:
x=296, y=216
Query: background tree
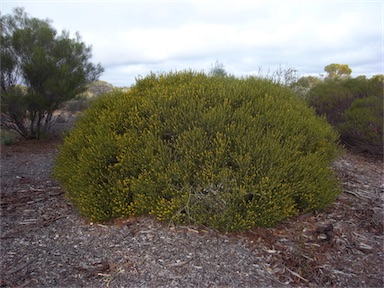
x=40, y=69
x=218, y=70
x=308, y=81
x=304, y=84
x=337, y=70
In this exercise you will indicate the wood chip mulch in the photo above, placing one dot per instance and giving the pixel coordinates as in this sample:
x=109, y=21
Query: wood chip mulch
x=44, y=243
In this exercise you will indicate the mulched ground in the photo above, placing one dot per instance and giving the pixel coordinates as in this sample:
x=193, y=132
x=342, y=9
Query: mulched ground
x=44, y=243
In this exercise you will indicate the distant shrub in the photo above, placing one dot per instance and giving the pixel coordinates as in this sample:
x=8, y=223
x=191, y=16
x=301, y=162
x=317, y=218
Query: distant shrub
x=7, y=137
x=363, y=125
x=218, y=151
x=76, y=105
x=355, y=108
x=331, y=98
x=304, y=84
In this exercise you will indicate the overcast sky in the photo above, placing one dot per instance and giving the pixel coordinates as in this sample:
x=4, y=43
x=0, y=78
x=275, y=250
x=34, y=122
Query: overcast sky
x=132, y=38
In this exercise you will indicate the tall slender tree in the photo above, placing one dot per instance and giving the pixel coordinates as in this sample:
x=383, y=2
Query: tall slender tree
x=40, y=69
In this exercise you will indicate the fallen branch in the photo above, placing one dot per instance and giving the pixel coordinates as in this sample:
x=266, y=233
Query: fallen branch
x=356, y=194
x=295, y=274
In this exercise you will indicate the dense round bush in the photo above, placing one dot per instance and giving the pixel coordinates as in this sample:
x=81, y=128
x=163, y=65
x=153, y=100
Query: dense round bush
x=190, y=148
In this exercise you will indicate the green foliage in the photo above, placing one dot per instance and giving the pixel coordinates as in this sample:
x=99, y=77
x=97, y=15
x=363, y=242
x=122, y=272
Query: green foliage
x=354, y=107
x=337, y=71
x=54, y=68
x=363, y=125
x=7, y=137
x=304, y=84
x=331, y=98
x=14, y=109
x=218, y=151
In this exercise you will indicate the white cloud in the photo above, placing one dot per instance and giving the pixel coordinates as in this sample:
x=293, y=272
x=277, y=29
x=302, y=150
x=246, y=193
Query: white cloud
x=134, y=37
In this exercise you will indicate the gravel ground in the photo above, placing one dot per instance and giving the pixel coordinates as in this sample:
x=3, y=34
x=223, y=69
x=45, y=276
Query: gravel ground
x=44, y=243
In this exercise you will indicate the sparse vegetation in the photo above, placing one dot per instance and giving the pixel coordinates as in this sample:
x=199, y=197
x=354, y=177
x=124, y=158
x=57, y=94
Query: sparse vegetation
x=83, y=101
x=218, y=70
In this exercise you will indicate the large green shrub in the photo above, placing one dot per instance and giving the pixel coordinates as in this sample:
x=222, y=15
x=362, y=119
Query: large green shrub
x=218, y=151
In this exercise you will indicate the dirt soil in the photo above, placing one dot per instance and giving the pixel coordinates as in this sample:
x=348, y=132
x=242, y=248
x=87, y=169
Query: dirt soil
x=45, y=243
